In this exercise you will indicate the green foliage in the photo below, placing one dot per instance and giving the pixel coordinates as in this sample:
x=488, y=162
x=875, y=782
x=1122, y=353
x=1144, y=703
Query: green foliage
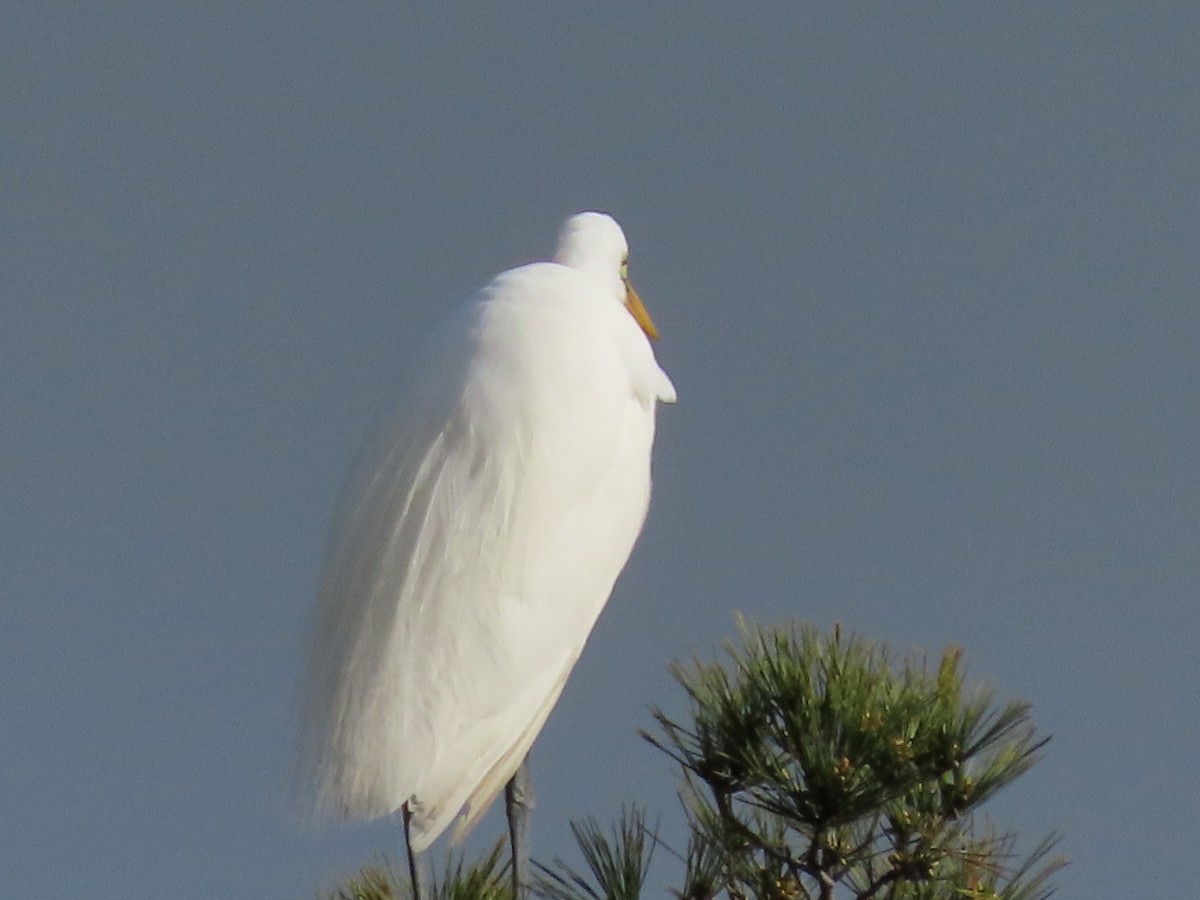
x=370, y=884
x=818, y=766
x=486, y=879
x=814, y=767
x=617, y=865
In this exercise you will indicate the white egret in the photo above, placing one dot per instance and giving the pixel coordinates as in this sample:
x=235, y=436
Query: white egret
x=478, y=540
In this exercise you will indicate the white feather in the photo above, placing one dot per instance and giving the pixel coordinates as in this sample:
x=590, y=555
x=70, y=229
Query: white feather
x=478, y=540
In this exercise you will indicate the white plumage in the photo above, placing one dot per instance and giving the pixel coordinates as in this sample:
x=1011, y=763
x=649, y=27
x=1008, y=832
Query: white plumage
x=480, y=536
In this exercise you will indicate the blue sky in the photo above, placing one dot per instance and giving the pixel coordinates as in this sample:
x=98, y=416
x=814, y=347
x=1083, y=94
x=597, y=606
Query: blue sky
x=927, y=278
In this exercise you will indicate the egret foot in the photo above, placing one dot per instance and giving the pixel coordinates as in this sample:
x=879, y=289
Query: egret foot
x=415, y=874
x=518, y=801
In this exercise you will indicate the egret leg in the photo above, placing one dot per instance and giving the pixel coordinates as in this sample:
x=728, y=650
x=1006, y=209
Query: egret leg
x=518, y=801
x=415, y=874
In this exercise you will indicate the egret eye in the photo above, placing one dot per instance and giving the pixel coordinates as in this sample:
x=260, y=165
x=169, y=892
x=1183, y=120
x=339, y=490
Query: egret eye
x=625, y=268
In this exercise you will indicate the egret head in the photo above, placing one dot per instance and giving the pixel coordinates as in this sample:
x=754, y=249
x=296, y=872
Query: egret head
x=593, y=242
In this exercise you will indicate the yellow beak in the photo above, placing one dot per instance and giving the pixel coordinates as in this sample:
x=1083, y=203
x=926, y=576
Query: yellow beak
x=637, y=309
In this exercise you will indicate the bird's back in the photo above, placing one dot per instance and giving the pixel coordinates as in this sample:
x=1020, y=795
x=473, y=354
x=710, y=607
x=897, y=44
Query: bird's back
x=475, y=547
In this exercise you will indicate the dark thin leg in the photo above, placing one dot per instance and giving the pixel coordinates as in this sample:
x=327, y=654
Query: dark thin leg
x=415, y=874
x=518, y=801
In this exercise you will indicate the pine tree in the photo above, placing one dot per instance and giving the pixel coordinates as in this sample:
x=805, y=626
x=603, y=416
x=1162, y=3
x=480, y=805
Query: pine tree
x=813, y=768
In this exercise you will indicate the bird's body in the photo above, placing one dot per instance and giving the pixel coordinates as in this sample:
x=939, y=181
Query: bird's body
x=480, y=537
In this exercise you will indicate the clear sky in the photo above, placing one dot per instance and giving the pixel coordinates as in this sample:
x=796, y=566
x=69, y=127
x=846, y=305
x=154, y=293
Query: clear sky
x=928, y=278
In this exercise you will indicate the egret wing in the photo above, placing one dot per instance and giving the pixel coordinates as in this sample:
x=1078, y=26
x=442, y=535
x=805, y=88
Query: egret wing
x=478, y=543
